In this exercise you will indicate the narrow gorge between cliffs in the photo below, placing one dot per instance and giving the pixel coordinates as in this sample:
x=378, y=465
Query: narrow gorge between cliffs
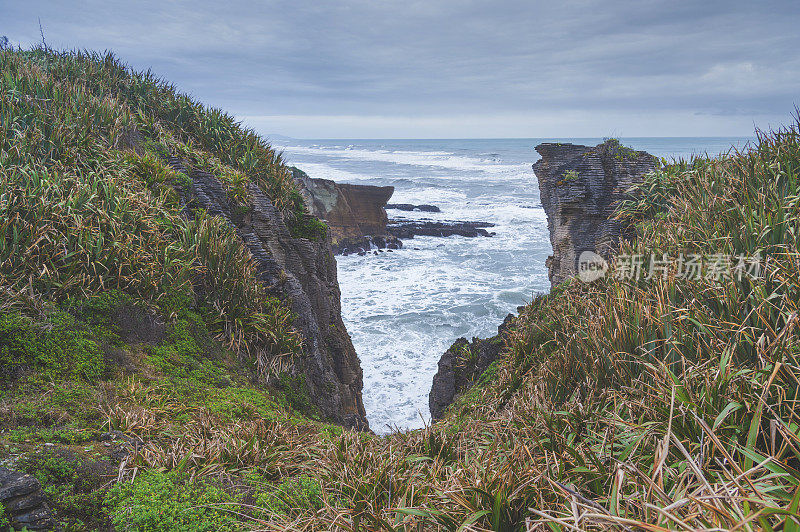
x=404, y=308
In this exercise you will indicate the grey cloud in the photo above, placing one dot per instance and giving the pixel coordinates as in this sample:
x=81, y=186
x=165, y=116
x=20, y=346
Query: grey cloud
x=448, y=57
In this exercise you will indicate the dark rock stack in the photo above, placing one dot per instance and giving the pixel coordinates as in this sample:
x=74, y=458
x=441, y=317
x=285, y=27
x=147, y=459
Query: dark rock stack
x=303, y=273
x=409, y=229
x=461, y=366
x=23, y=501
x=580, y=188
x=351, y=212
x=409, y=207
x=356, y=216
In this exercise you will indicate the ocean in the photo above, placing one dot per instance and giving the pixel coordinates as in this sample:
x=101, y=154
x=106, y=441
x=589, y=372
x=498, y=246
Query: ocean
x=404, y=309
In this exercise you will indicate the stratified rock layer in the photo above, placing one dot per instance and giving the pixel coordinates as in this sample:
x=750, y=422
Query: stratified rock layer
x=352, y=212
x=23, y=501
x=301, y=272
x=580, y=188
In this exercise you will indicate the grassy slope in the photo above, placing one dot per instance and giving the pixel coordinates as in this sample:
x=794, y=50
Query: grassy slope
x=671, y=401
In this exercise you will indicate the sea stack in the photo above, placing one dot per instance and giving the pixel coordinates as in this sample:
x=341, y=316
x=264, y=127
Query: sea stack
x=355, y=214
x=580, y=187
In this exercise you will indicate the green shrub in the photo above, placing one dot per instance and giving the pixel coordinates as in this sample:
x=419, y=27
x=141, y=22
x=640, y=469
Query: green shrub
x=59, y=347
x=292, y=497
x=76, y=496
x=309, y=227
x=157, y=501
x=295, y=393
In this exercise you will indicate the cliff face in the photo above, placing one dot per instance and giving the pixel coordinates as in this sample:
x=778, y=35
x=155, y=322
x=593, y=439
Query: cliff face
x=580, y=188
x=461, y=366
x=303, y=273
x=351, y=211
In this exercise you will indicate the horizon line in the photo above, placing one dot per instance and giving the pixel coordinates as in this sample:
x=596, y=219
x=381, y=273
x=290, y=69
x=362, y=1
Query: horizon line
x=286, y=137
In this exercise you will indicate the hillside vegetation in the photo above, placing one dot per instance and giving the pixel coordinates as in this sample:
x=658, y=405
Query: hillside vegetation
x=667, y=403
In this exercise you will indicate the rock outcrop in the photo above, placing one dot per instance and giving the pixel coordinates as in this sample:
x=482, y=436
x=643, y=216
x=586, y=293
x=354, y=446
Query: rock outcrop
x=461, y=366
x=301, y=272
x=352, y=212
x=580, y=188
x=23, y=502
x=410, y=229
x=410, y=207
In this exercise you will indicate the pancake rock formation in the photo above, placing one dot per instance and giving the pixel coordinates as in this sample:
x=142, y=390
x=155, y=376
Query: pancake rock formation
x=461, y=366
x=301, y=271
x=24, y=502
x=580, y=188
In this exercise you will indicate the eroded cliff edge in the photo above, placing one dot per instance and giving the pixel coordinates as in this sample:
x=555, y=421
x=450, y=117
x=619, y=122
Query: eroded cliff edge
x=302, y=272
x=462, y=365
x=353, y=213
x=580, y=187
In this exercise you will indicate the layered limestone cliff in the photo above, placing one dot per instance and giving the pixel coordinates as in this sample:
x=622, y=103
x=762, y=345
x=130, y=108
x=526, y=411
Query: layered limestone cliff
x=303, y=273
x=580, y=187
x=24, y=503
x=352, y=212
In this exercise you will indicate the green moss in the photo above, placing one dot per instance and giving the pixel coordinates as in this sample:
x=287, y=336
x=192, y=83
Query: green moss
x=489, y=374
x=157, y=501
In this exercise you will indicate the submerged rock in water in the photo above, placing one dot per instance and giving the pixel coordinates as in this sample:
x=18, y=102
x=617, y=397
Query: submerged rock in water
x=358, y=245
x=410, y=229
x=410, y=207
x=461, y=366
x=580, y=188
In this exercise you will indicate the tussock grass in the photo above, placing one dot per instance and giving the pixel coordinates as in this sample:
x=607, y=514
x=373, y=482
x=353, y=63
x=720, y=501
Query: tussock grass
x=87, y=203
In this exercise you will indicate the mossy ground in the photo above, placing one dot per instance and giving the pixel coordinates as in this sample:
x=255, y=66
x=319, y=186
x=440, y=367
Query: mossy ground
x=78, y=382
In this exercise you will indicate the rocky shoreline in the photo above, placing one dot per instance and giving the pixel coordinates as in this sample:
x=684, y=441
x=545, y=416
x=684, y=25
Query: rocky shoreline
x=409, y=229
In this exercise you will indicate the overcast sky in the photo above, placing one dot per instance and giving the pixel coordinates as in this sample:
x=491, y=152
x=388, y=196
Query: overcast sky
x=447, y=68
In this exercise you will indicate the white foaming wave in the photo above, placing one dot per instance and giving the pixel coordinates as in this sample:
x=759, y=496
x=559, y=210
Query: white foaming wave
x=403, y=310
x=438, y=159
x=324, y=171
